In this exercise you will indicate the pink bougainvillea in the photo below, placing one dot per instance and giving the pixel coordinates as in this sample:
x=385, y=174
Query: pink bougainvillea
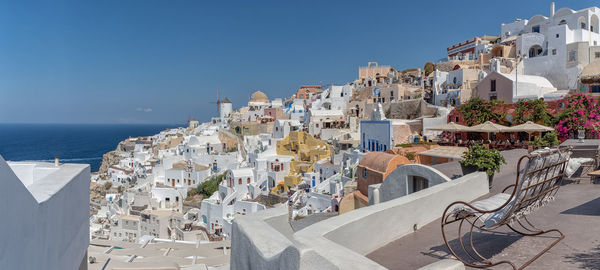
x=582, y=112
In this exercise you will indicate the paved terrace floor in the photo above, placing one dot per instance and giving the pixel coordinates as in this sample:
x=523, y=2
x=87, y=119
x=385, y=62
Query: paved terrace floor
x=576, y=212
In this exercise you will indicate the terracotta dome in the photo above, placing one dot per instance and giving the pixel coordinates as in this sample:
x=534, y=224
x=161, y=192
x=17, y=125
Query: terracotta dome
x=259, y=96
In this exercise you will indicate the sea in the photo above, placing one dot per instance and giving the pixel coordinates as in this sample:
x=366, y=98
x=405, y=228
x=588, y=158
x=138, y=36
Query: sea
x=71, y=143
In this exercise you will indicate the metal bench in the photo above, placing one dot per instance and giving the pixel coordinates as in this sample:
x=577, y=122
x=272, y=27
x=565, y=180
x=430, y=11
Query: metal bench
x=535, y=186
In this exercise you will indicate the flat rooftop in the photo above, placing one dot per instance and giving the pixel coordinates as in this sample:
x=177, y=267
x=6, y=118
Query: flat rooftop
x=156, y=255
x=575, y=212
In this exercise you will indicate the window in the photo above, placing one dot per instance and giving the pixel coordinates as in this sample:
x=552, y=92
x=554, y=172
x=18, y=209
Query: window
x=562, y=22
x=535, y=29
x=557, y=35
x=391, y=93
x=248, y=180
x=597, y=54
x=365, y=173
x=583, y=25
x=572, y=55
x=240, y=181
x=493, y=96
x=493, y=86
x=419, y=183
x=553, y=51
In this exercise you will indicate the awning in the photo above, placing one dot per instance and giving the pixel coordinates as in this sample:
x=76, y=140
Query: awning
x=450, y=127
x=529, y=127
x=488, y=127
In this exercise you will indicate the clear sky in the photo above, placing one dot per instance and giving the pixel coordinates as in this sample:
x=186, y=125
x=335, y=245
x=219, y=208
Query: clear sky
x=145, y=61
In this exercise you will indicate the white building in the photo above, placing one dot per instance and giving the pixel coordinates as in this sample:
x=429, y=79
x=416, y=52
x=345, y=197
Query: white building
x=319, y=120
x=282, y=127
x=237, y=186
x=557, y=47
x=381, y=134
x=225, y=108
x=119, y=176
x=202, y=145
x=296, y=110
x=45, y=210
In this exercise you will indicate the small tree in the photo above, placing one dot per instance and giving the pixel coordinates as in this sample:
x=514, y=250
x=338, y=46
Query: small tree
x=550, y=139
x=119, y=189
x=192, y=192
x=107, y=185
x=532, y=110
x=428, y=68
x=207, y=188
x=476, y=111
x=487, y=160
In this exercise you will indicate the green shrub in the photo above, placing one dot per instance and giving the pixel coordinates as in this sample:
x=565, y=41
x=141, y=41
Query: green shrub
x=107, y=185
x=410, y=156
x=487, y=160
x=207, y=188
x=550, y=139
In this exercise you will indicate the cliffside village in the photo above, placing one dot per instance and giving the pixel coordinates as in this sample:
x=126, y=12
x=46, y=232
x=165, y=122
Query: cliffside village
x=323, y=149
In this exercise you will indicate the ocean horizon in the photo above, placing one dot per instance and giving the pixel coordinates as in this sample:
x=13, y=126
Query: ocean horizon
x=71, y=143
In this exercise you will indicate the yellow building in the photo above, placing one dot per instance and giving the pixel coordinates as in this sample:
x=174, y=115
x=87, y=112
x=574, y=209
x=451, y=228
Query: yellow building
x=306, y=150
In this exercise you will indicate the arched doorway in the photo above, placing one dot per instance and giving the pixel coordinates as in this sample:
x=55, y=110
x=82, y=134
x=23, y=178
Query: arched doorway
x=535, y=51
x=594, y=23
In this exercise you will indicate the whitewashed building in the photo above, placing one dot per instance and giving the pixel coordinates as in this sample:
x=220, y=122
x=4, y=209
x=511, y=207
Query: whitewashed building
x=556, y=47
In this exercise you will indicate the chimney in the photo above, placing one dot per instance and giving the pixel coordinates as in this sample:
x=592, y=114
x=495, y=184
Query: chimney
x=56, y=162
x=551, y=9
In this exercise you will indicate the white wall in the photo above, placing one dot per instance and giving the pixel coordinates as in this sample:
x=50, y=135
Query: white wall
x=45, y=225
x=265, y=240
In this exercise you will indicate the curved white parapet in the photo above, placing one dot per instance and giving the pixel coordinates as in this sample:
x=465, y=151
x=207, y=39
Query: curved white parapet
x=265, y=240
x=399, y=182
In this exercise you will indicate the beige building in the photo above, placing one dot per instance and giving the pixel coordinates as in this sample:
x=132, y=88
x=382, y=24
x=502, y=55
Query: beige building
x=510, y=87
x=160, y=223
x=374, y=74
x=125, y=228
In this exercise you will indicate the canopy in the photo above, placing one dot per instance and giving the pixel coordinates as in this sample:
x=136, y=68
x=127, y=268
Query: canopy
x=488, y=127
x=590, y=73
x=451, y=127
x=529, y=127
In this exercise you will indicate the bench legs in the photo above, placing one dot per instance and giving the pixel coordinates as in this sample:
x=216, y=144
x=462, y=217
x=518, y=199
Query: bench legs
x=479, y=261
x=534, y=231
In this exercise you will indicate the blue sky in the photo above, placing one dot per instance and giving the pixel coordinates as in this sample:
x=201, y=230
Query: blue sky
x=162, y=61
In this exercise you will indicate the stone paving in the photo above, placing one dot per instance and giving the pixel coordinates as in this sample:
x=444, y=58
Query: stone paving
x=576, y=212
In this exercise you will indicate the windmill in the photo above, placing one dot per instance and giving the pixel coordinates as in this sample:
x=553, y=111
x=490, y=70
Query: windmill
x=218, y=103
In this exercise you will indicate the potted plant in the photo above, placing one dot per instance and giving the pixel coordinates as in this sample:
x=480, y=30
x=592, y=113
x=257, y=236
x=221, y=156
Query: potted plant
x=479, y=158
